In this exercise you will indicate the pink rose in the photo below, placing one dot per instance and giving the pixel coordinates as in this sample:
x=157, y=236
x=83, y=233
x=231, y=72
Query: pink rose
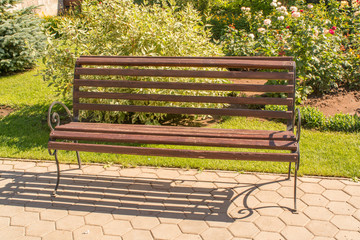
x=331, y=32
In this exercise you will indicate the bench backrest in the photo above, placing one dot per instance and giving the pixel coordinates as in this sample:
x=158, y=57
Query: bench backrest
x=97, y=71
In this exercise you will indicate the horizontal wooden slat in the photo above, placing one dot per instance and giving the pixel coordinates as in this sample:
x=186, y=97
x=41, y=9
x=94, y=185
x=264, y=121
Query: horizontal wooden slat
x=189, y=62
x=185, y=73
x=183, y=110
x=183, y=98
x=176, y=131
x=174, y=140
x=87, y=59
x=280, y=157
x=184, y=86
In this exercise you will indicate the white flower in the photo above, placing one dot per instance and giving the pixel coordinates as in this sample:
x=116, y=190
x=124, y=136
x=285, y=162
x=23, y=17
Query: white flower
x=274, y=1
x=316, y=32
x=325, y=31
x=247, y=9
x=356, y=13
x=243, y=9
x=279, y=3
x=261, y=30
x=273, y=4
x=294, y=9
x=252, y=36
x=310, y=6
x=267, y=22
x=281, y=18
x=295, y=14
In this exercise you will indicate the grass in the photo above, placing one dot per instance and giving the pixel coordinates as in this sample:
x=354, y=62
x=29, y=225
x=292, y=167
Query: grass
x=24, y=134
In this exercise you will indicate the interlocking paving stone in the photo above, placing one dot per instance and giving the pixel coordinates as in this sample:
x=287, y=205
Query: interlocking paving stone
x=336, y=195
x=166, y=231
x=11, y=232
x=88, y=232
x=331, y=184
x=70, y=223
x=40, y=228
x=145, y=223
x=322, y=228
x=296, y=233
x=348, y=235
x=137, y=234
x=243, y=229
x=58, y=235
x=269, y=224
x=216, y=234
x=341, y=208
x=192, y=226
x=291, y=219
x=117, y=227
x=346, y=223
x=318, y=213
x=311, y=188
x=165, y=203
x=98, y=218
x=353, y=190
x=24, y=218
x=314, y=200
x=268, y=236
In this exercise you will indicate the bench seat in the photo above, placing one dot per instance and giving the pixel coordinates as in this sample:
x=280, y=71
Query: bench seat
x=175, y=135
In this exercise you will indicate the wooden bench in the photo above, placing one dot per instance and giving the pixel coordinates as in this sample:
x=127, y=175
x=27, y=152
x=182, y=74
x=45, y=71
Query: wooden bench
x=246, y=73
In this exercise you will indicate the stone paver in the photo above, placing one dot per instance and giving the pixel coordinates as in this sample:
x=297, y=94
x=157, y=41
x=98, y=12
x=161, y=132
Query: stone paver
x=143, y=203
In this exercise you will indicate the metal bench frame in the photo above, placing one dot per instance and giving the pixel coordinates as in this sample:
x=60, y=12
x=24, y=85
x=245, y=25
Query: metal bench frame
x=231, y=63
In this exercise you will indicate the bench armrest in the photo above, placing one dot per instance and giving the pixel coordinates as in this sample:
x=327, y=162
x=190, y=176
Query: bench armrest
x=55, y=117
x=298, y=129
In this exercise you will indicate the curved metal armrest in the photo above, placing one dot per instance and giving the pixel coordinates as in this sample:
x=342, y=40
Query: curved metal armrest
x=55, y=117
x=298, y=129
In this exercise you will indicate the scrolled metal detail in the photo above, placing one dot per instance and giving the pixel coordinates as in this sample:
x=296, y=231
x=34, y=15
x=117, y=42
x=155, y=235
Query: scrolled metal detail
x=55, y=117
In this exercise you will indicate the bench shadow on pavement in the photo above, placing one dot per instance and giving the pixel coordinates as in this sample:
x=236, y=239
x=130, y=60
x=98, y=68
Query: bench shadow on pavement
x=166, y=198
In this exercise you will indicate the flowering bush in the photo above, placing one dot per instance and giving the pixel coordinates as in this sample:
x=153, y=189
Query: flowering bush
x=318, y=37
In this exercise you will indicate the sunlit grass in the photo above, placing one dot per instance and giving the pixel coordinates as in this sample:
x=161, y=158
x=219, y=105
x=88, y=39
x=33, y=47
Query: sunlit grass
x=24, y=134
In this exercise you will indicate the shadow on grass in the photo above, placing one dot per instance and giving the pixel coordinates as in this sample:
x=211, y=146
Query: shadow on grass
x=25, y=128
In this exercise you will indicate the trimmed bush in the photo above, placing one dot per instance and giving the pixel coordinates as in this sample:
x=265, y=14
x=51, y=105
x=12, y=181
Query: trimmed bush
x=120, y=27
x=21, y=37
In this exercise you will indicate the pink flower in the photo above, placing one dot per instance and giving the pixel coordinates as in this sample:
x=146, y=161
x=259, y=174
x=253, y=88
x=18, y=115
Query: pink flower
x=333, y=28
x=287, y=27
x=331, y=32
x=301, y=10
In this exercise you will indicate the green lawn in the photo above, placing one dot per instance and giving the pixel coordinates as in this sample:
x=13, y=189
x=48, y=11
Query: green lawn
x=24, y=134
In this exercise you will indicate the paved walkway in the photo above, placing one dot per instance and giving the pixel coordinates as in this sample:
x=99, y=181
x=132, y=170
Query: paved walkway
x=158, y=203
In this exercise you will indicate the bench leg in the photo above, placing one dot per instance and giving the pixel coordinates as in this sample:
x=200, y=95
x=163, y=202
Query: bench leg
x=78, y=157
x=58, y=174
x=289, y=171
x=295, y=187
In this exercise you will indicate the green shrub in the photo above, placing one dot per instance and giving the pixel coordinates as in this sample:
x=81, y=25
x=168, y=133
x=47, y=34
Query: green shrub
x=21, y=37
x=313, y=118
x=123, y=28
x=317, y=37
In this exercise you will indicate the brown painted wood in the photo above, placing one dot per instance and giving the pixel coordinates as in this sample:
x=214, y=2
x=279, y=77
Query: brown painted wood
x=174, y=140
x=176, y=131
x=282, y=58
x=184, y=98
x=185, y=86
x=189, y=62
x=185, y=73
x=255, y=156
x=186, y=110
